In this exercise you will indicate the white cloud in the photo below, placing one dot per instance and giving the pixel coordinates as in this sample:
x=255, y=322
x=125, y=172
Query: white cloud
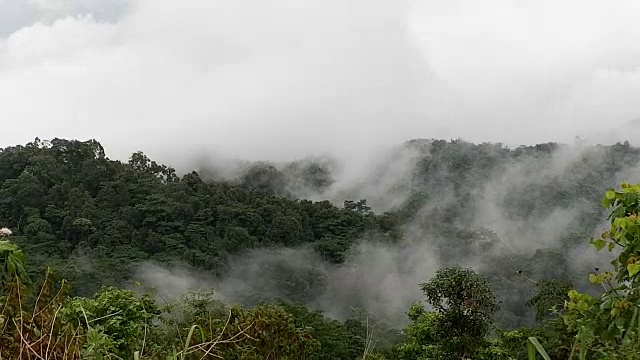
x=279, y=79
x=532, y=70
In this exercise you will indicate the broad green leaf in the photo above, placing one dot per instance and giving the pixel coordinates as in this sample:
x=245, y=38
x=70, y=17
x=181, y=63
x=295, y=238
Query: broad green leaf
x=599, y=244
x=573, y=294
x=611, y=246
x=610, y=194
x=633, y=269
x=614, y=312
x=583, y=306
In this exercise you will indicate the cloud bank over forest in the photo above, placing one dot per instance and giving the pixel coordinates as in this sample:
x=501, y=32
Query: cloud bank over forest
x=496, y=210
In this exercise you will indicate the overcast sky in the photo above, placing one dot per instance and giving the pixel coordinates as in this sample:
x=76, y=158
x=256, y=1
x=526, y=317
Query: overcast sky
x=280, y=79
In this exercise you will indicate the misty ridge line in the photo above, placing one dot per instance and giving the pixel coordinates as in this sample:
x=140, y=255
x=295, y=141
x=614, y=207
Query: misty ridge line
x=382, y=277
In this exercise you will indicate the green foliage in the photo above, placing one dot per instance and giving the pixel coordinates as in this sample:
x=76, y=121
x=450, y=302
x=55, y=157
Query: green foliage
x=516, y=343
x=535, y=348
x=463, y=308
x=456, y=182
x=420, y=335
x=608, y=323
x=337, y=340
x=116, y=324
x=114, y=317
x=262, y=332
x=91, y=218
x=264, y=178
x=77, y=206
x=12, y=262
x=550, y=298
x=464, y=305
x=30, y=326
x=493, y=350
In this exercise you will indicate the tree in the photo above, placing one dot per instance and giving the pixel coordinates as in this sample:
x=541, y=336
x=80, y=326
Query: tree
x=465, y=306
x=421, y=339
x=264, y=178
x=336, y=340
x=550, y=297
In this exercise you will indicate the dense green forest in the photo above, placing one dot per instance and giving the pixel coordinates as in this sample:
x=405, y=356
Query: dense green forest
x=520, y=218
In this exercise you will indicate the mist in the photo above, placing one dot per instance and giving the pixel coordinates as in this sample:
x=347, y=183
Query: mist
x=508, y=214
x=379, y=278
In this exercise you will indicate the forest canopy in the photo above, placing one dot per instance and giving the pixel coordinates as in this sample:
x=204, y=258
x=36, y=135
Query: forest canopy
x=520, y=218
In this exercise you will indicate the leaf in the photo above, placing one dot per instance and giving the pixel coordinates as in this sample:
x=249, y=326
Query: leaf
x=628, y=332
x=610, y=194
x=599, y=244
x=611, y=246
x=614, y=313
x=573, y=294
x=533, y=341
x=594, y=279
x=633, y=269
x=606, y=305
x=583, y=306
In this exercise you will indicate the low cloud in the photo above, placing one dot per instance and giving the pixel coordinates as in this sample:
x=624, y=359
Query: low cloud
x=515, y=215
x=271, y=80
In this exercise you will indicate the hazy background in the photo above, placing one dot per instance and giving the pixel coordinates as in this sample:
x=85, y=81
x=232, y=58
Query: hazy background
x=282, y=79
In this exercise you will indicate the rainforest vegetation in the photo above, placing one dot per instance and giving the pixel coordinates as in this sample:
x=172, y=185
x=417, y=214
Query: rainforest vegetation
x=538, y=250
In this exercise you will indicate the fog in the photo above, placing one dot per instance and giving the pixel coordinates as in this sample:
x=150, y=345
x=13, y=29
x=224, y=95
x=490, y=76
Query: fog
x=278, y=79
x=379, y=278
x=507, y=214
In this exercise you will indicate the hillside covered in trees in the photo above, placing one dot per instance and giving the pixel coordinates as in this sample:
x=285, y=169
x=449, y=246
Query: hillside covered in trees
x=520, y=218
